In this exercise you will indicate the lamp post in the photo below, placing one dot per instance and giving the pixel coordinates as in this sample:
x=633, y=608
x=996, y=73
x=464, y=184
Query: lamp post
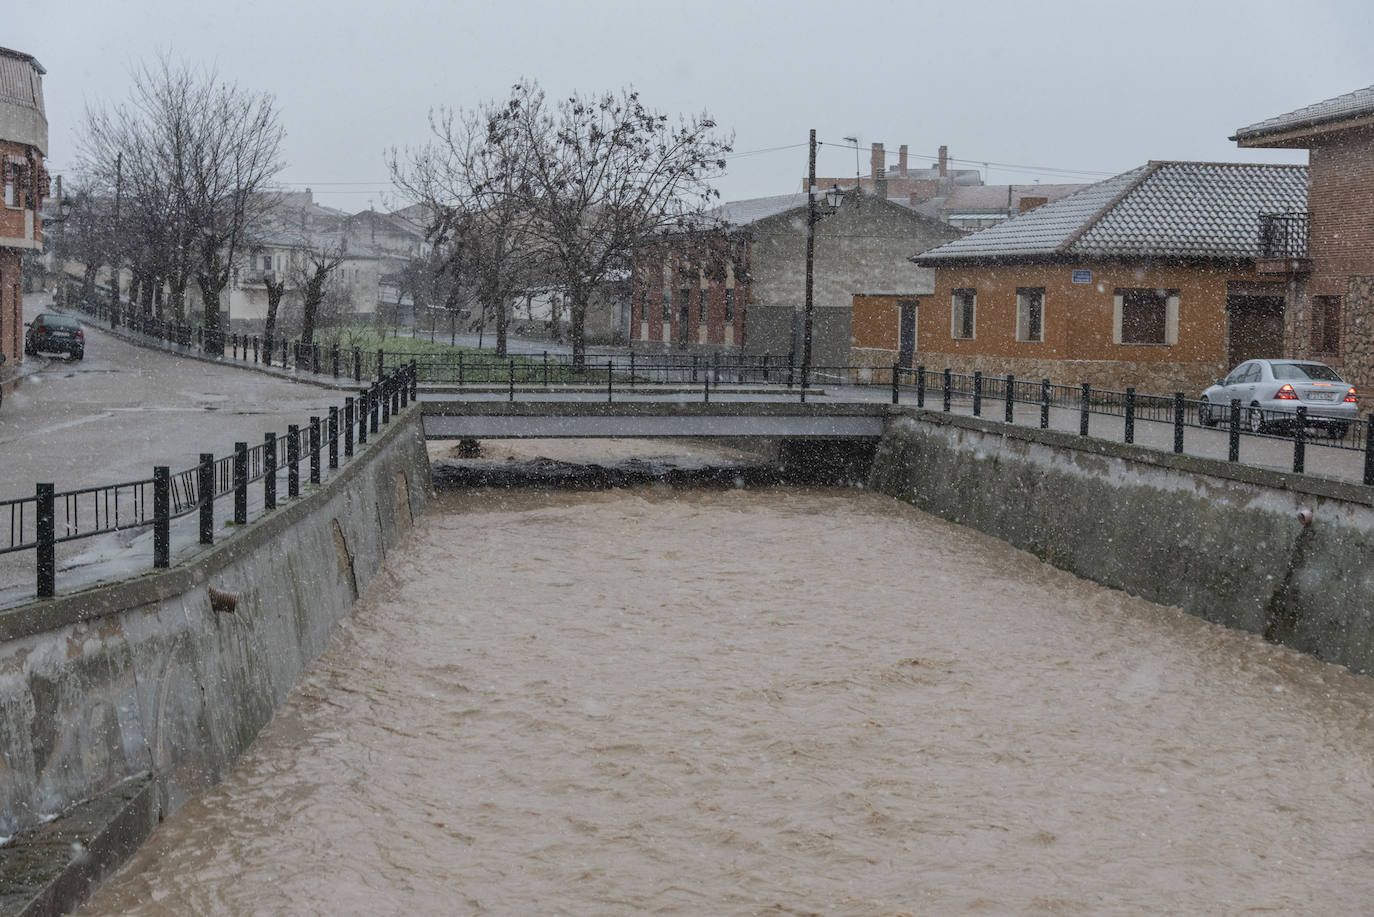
x=813, y=216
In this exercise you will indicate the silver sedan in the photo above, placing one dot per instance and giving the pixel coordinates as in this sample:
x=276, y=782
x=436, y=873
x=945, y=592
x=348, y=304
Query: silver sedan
x=1271, y=391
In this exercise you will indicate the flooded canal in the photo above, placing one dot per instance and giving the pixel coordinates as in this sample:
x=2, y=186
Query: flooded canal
x=773, y=701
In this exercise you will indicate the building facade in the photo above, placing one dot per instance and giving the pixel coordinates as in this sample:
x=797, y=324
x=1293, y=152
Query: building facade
x=1149, y=279
x=23, y=145
x=1324, y=254
x=742, y=288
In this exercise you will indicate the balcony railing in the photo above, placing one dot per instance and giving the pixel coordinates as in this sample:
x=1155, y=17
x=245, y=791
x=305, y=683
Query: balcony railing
x=1283, y=235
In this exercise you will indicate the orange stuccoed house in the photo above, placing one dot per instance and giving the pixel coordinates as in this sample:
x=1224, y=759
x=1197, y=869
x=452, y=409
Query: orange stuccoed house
x=23, y=144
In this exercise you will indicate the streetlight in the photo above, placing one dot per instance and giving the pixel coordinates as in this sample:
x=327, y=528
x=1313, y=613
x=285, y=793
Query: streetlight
x=833, y=197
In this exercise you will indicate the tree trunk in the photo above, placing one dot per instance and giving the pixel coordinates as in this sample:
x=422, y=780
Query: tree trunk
x=577, y=317
x=209, y=298
x=274, y=295
x=314, y=295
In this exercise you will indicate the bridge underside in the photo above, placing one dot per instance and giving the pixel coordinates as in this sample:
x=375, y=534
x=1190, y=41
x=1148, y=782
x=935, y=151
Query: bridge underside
x=525, y=420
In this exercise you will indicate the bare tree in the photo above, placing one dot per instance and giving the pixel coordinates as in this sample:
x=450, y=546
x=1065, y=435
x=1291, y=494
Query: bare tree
x=189, y=157
x=473, y=182
x=602, y=176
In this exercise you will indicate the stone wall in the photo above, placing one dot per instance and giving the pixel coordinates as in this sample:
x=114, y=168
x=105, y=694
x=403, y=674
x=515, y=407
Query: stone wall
x=144, y=677
x=1220, y=541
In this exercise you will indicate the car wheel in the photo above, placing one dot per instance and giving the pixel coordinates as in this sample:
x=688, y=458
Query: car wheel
x=29, y=350
x=1204, y=414
x=78, y=355
x=1257, y=422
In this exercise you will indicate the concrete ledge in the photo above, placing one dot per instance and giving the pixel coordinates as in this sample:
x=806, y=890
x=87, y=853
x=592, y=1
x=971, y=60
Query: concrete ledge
x=52, y=868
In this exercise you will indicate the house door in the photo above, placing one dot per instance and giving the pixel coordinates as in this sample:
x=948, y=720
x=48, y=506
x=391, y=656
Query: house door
x=906, y=340
x=1254, y=326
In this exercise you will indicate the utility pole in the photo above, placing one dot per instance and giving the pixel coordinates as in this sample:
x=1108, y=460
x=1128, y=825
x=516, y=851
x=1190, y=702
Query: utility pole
x=115, y=260
x=810, y=258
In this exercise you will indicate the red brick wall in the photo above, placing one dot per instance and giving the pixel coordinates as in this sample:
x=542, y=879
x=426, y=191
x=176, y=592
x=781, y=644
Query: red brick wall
x=1341, y=203
x=11, y=306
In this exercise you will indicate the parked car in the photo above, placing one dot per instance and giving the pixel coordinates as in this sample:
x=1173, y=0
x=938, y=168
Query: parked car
x=52, y=332
x=1271, y=391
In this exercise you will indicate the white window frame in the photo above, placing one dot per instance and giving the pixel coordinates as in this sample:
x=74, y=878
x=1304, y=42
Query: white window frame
x=1170, y=319
x=954, y=310
x=1023, y=299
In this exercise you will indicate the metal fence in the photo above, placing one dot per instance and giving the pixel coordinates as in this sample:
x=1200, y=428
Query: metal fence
x=52, y=517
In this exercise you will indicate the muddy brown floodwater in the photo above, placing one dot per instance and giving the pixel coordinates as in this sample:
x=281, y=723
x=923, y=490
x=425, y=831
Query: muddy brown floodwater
x=809, y=702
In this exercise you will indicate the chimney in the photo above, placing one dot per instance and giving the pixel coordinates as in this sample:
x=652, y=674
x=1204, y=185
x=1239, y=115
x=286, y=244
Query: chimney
x=901, y=161
x=880, y=184
x=1030, y=203
x=944, y=160
x=878, y=161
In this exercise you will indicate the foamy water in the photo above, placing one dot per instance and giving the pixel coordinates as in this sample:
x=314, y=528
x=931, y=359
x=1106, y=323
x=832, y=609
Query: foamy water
x=773, y=702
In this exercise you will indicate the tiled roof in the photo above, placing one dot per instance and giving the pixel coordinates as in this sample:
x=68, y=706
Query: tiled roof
x=1162, y=209
x=1351, y=105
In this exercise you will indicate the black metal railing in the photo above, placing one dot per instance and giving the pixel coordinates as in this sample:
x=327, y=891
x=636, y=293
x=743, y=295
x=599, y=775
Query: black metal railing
x=1283, y=235
x=51, y=517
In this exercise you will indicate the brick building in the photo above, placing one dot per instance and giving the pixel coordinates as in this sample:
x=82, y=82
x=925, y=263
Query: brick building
x=1148, y=279
x=23, y=144
x=1325, y=253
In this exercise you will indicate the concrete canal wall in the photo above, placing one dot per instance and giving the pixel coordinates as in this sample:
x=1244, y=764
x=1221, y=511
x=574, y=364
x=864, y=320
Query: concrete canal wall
x=1222, y=541
x=140, y=691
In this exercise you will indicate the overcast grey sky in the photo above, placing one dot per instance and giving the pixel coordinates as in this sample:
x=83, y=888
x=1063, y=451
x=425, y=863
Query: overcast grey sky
x=1093, y=88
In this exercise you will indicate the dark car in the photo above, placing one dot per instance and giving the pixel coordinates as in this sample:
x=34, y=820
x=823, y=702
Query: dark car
x=54, y=333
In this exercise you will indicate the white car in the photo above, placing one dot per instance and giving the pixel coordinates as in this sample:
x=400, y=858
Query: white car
x=1271, y=391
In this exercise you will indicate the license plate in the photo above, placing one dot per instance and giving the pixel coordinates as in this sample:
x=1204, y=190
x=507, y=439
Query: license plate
x=1321, y=396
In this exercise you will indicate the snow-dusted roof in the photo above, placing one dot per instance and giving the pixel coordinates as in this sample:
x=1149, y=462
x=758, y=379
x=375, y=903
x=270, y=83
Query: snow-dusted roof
x=1351, y=105
x=743, y=213
x=1161, y=209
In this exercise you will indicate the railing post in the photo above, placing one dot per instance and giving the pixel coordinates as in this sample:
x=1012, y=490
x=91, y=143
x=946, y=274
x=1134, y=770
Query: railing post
x=293, y=460
x=920, y=386
x=284, y=355
x=332, y=434
x=162, y=516
x=334, y=359
x=348, y=428
x=1085, y=405
x=1178, y=423
x=207, y=497
x=357, y=364
x=1011, y=388
x=364, y=409
x=414, y=380
x=1369, y=449
x=256, y=357
x=896, y=384
x=1044, y=404
x=1130, y=415
x=511, y=382
x=1300, y=441
x=384, y=386
x=45, y=531
x=977, y=393
x=546, y=369
x=949, y=382
x=315, y=358
x=314, y=450
x=240, y=483
x=632, y=367
x=381, y=358
x=610, y=375
x=269, y=470
x=694, y=369
x=403, y=387
x=1233, y=451
x=715, y=368
x=791, y=367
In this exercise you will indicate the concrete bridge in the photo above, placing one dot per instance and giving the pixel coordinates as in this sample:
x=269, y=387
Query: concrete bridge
x=449, y=417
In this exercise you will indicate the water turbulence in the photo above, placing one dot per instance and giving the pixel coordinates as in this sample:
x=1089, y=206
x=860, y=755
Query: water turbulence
x=780, y=701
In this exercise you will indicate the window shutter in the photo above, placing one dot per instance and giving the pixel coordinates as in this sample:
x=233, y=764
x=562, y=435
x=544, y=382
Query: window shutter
x=1118, y=301
x=1171, y=320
